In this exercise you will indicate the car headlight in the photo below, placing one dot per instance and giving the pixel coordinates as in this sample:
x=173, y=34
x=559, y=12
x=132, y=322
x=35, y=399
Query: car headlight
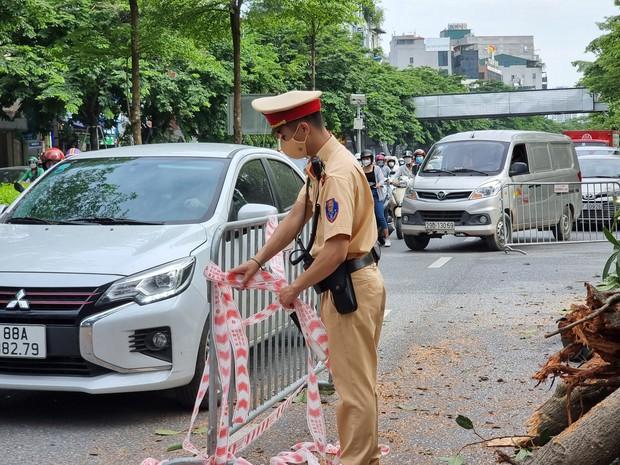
x=148, y=286
x=487, y=190
x=410, y=194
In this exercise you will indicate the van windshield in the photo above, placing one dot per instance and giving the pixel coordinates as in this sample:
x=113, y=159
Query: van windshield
x=140, y=190
x=465, y=158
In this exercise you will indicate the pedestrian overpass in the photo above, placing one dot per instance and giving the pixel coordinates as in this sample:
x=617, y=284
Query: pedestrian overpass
x=507, y=104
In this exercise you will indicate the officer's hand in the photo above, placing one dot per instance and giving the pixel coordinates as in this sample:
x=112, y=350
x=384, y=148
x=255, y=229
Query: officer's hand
x=247, y=270
x=288, y=296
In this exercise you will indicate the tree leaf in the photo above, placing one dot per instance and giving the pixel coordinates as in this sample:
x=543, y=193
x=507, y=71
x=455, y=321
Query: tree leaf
x=522, y=455
x=611, y=238
x=610, y=260
x=166, y=432
x=453, y=460
x=464, y=422
x=172, y=447
x=408, y=408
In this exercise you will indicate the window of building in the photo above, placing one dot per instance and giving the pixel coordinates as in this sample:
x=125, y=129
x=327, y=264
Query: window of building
x=442, y=58
x=534, y=76
x=410, y=60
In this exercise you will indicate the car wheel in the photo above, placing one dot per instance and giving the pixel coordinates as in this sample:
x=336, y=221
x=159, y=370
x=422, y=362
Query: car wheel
x=502, y=234
x=186, y=395
x=417, y=242
x=399, y=230
x=562, y=230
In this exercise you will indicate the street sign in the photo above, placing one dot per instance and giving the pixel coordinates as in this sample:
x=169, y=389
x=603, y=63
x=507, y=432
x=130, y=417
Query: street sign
x=358, y=123
x=358, y=99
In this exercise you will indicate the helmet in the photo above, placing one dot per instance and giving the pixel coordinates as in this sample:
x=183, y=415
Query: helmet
x=53, y=154
x=401, y=162
x=380, y=157
x=408, y=153
x=34, y=160
x=367, y=154
x=72, y=151
x=419, y=152
x=358, y=156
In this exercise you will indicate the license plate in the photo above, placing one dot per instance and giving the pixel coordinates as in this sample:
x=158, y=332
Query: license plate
x=22, y=341
x=593, y=206
x=447, y=226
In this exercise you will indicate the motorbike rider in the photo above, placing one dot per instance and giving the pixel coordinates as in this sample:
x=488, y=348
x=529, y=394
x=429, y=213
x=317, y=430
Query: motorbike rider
x=381, y=164
x=33, y=172
x=52, y=156
x=418, y=155
x=407, y=168
x=376, y=181
x=391, y=164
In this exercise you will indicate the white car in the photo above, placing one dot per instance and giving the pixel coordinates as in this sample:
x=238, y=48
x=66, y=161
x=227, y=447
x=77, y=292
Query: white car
x=101, y=259
x=595, y=150
x=600, y=189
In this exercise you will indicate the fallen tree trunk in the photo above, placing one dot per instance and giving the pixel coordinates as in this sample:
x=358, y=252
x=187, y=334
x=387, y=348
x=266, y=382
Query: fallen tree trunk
x=592, y=440
x=551, y=418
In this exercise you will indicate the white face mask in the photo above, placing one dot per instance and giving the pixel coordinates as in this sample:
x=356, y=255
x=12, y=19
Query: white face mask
x=294, y=148
x=366, y=162
x=391, y=164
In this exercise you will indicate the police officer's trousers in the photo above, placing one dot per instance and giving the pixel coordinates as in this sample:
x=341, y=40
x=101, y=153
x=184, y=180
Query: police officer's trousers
x=353, y=340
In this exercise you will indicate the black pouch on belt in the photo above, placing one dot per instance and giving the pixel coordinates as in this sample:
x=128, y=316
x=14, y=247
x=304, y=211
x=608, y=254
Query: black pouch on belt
x=341, y=288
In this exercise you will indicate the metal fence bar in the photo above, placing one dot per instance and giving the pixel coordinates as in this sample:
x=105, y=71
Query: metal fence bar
x=559, y=212
x=277, y=365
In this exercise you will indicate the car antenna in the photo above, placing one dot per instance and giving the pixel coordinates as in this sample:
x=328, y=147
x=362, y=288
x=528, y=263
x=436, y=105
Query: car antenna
x=473, y=134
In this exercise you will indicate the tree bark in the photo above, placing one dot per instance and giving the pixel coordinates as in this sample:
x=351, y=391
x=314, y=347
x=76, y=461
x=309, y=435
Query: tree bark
x=592, y=440
x=135, y=116
x=235, y=30
x=313, y=36
x=551, y=418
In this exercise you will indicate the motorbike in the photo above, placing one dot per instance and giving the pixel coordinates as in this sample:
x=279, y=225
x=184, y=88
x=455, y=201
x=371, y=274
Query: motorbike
x=399, y=189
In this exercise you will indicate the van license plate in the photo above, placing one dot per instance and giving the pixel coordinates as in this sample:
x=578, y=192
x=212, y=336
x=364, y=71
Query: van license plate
x=439, y=226
x=22, y=341
x=593, y=206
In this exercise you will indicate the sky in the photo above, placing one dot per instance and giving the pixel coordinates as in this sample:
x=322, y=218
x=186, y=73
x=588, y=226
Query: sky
x=561, y=28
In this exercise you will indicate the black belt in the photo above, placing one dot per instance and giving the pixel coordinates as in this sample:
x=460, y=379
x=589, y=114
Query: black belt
x=359, y=263
x=352, y=266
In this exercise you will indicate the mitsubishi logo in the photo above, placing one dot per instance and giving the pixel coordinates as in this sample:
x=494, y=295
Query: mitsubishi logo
x=441, y=195
x=590, y=196
x=19, y=301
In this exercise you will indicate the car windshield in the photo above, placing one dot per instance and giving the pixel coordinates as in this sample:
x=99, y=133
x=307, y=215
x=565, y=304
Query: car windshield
x=125, y=191
x=10, y=175
x=600, y=168
x=465, y=158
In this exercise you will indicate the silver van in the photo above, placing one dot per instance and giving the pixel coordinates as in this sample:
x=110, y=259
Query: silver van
x=458, y=189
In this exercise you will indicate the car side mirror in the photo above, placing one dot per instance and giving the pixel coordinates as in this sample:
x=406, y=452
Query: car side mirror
x=252, y=211
x=18, y=187
x=518, y=168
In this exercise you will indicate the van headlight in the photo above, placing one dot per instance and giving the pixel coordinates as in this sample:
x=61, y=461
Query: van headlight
x=490, y=189
x=149, y=286
x=410, y=194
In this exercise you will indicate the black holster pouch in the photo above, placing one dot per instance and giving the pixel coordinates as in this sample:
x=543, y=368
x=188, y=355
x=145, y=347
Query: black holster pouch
x=340, y=285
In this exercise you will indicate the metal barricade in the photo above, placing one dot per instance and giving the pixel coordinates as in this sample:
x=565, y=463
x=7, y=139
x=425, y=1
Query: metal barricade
x=277, y=359
x=558, y=212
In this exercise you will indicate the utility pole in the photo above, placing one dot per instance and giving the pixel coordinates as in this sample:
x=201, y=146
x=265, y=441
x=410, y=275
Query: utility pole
x=359, y=100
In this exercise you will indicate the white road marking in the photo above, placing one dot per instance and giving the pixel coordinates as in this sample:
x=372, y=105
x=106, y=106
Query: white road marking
x=471, y=239
x=440, y=262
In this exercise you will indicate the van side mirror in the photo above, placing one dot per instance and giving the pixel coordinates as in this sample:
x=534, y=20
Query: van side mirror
x=18, y=187
x=252, y=211
x=518, y=168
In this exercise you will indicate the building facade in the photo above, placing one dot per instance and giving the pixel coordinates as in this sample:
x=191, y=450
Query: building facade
x=510, y=59
x=412, y=51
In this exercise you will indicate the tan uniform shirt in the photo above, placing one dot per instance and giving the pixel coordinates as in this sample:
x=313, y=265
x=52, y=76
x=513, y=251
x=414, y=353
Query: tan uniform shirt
x=345, y=200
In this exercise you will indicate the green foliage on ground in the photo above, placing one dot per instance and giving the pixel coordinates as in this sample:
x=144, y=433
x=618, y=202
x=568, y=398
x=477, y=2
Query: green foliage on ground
x=7, y=194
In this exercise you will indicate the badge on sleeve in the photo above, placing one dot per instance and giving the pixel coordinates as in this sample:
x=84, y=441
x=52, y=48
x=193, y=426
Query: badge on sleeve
x=331, y=210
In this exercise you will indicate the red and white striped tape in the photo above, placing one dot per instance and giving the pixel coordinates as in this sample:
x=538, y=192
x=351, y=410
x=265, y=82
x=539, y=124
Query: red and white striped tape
x=231, y=344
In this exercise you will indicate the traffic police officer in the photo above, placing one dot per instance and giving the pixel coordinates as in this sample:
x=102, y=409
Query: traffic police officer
x=346, y=231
